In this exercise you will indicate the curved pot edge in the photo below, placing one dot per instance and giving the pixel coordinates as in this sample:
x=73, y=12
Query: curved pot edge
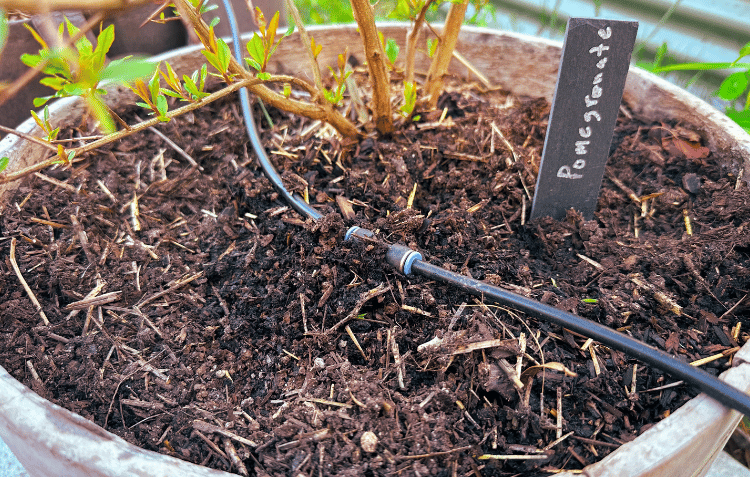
x=66, y=107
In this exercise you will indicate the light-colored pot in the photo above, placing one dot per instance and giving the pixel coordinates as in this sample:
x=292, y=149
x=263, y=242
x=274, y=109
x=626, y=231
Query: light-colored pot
x=50, y=441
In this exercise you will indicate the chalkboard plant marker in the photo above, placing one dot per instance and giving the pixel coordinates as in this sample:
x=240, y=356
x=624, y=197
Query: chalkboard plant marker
x=590, y=82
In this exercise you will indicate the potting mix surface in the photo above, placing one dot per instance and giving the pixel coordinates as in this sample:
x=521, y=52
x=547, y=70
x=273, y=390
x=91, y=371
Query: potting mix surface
x=185, y=300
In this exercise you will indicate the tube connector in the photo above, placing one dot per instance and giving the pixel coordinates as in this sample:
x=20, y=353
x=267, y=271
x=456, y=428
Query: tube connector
x=402, y=257
x=358, y=231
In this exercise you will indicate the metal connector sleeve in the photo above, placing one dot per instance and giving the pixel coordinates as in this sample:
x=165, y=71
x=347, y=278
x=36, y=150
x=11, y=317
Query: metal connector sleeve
x=402, y=257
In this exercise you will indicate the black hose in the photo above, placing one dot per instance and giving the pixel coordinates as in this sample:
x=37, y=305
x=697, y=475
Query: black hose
x=407, y=261
x=717, y=389
x=297, y=203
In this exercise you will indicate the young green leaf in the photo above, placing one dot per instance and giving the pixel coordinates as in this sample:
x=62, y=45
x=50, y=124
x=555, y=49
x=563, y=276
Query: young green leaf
x=733, y=87
x=255, y=49
x=100, y=112
x=4, y=163
x=126, y=70
x=744, y=51
x=432, y=45
x=3, y=30
x=223, y=55
x=103, y=44
x=161, y=107
x=264, y=76
x=391, y=50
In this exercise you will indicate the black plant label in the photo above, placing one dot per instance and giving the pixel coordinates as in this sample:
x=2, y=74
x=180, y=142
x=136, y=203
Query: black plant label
x=590, y=82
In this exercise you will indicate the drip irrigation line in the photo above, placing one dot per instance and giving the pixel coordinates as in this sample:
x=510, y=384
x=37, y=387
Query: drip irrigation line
x=408, y=261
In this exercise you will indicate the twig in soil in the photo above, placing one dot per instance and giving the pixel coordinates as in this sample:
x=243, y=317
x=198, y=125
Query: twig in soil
x=25, y=285
x=145, y=318
x=84, y=239
x=433, y=454
x=660, y=297
x=400, y=371
x=174, y=146
x=134, y=213
x=326, y=402
x=156, y=406
x=210, y=428
x=211, y=444
x=559, y=417
x=510, y=371
x=94, y=300
x=33, y=372
x=368, y=295
x=734, y=307
x=497, y=131
x=234, y=458
x=356, y=342
x=513, y=457
x=56, y=182
x=708, y=359
x=594, y=442
x=595, y=360
x=172, y=286
x=557, y=441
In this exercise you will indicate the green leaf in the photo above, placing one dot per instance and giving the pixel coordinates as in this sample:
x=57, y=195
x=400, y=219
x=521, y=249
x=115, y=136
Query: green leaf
x=83, y=45
x=223, y=54
x=733, y=87
x=3, y=33
x=212, y=59
x=126, y=70
x=39, y=102
x=214, y=22
x=54, y=82
x=256, y=50
x=71, y=155
x=740, y=117
x=103, y=44
x=590, y=300
x=30, y=60
x=203, y=76
x=264, y=76
x=162, y=106
x=391, y=50
x=38, y=121
x=153, y=87
x=73, y=89
x=744, y=51
x=253, y=64
x=4, y=163
x=432, y=45
x=287, y=90
x=101, y=113
x=661, y=53
x=143, y=105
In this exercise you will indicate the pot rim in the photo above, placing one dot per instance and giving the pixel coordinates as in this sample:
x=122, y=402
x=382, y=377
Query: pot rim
x=639, y=82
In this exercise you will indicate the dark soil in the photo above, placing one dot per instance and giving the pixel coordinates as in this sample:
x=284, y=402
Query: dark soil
x=232, y=311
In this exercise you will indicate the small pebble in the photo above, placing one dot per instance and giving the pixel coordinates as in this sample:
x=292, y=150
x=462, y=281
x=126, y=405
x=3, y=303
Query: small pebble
x=369, y=441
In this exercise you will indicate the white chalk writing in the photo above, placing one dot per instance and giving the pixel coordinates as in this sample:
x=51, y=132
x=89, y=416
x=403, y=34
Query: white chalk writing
x=591, y=100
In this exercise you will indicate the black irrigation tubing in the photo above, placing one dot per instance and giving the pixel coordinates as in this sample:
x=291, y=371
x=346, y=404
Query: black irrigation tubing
x=408, y=261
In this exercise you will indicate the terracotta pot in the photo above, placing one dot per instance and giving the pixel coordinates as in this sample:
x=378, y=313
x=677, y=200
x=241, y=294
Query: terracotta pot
x=47, y=439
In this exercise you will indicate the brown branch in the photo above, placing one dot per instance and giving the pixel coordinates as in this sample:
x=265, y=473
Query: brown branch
x=29, y=137
x=411, y=43
x=323, y=111
x=35, y=6
x=381, y=87
x=306, y=44
x=448, y=40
